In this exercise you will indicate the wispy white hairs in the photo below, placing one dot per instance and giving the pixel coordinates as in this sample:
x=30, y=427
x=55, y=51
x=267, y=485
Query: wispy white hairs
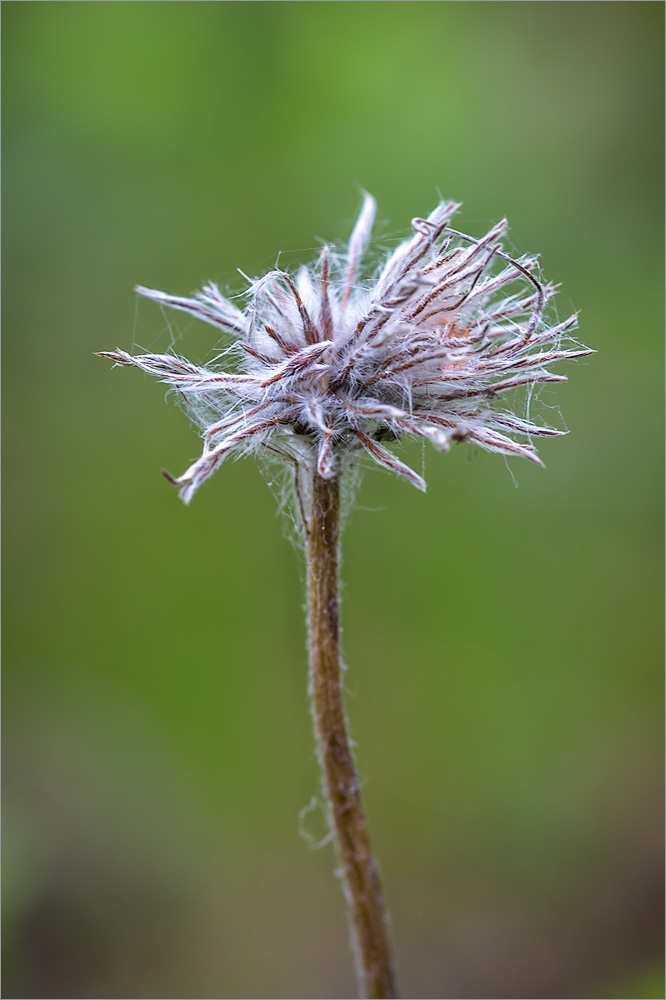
x=328, y=365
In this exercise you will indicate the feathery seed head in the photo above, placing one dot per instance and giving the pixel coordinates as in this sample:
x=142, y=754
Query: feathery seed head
x=329, y=366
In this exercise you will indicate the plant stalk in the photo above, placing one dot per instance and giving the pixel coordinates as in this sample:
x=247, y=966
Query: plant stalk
x=368, y=915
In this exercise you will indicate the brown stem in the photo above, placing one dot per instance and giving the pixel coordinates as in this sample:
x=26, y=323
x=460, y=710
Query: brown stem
x=361, y=882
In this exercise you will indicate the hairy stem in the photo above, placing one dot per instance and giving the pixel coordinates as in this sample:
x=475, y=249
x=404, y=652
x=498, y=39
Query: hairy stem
x=368, y=916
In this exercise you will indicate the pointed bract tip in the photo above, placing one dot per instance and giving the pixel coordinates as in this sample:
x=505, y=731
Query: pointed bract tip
x=116, y=356
x=169, y=477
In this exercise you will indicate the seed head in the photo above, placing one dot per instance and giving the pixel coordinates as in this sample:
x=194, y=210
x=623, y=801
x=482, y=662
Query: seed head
x=328, y=365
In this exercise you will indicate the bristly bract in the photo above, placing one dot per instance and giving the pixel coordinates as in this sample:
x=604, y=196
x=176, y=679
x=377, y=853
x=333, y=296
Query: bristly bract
x=327, y=365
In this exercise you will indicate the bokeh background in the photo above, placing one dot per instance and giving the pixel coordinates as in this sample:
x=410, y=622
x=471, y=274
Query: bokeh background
x=504, y=644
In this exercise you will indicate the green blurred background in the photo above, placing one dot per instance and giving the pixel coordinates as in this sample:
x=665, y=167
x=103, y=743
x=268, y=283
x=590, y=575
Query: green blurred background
x=504, y=644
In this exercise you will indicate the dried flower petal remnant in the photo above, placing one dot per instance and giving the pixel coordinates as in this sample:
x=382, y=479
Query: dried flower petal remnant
x=328, y=365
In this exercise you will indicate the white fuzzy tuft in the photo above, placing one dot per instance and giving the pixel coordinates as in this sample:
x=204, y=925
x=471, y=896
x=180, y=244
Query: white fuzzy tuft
x=330, y=366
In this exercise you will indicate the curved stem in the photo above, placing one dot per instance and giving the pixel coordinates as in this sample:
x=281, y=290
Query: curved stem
x=368, y=916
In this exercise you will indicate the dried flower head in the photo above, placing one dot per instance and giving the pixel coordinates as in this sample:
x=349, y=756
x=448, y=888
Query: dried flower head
x=329, y=365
